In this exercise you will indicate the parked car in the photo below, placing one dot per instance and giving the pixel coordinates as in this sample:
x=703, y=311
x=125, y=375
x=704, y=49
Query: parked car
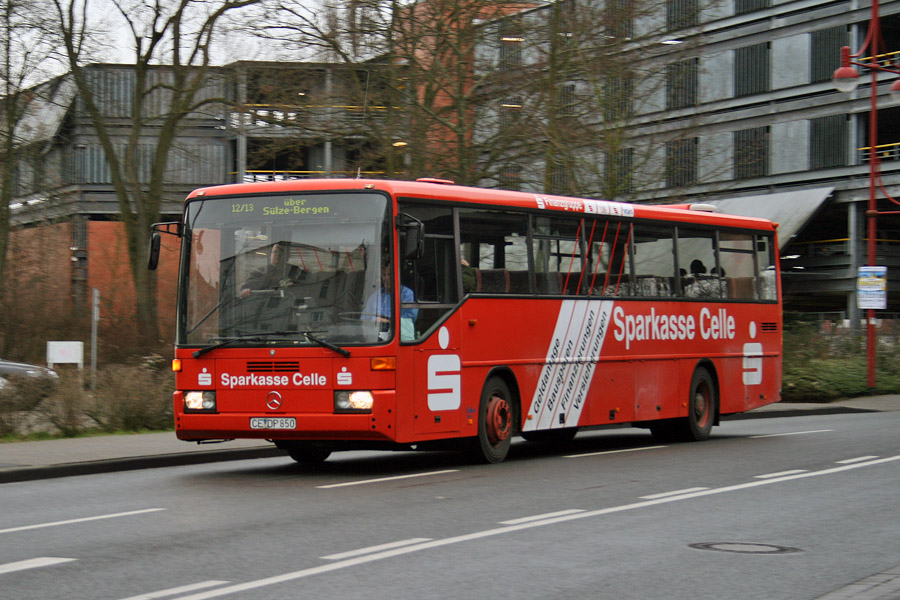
x=11, y=369
x=25, y=384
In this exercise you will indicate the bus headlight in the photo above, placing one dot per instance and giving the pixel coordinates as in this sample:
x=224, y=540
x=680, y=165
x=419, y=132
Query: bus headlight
x=353, y=402
x=200, y=401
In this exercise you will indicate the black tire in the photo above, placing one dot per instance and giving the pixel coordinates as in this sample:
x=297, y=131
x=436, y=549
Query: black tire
x=495, y=422
x=308, y=453
x=703, y=399
x=702, y=406
x=550, y=436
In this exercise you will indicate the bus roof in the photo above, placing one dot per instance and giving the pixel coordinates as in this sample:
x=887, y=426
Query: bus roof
x=440, y=190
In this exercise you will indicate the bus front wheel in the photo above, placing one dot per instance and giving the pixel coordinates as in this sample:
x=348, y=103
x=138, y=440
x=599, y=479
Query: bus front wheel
x=305, y=452
x=702, y=404
x=495, y=422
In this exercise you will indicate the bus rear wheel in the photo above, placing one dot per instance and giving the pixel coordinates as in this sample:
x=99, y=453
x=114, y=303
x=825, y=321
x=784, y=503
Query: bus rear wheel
x=495, y=422
x=702, y=405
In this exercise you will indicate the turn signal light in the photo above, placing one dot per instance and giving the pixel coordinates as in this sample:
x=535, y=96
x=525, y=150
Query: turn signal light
x=176, y=365
x=383, y=363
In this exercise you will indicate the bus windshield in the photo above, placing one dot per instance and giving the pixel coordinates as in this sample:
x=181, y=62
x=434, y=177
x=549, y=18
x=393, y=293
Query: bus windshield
x=298, y=269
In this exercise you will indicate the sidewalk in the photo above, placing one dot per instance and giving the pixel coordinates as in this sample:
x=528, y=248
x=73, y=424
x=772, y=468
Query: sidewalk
x=24, y=461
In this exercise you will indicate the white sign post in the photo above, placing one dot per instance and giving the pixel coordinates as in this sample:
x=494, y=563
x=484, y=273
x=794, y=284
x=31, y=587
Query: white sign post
x=70, y=353
x=871, y=288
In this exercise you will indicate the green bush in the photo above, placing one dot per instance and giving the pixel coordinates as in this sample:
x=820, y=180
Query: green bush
x=126, y=398
x=132, y=398
x=63, y=410
x=820, y=367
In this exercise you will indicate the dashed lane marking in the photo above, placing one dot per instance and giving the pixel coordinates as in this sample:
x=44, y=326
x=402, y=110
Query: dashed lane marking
x=33, y=563
x=81, y=520
x=383, y=479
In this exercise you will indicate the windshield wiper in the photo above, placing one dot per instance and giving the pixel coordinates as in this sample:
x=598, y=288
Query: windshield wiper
x=257, y=337
x=249, y=337
x=342, y=351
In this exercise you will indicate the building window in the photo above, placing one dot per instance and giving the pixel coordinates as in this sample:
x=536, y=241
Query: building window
x=619, y=166
x=682, y=79
x=511, y=40
x=560, y=178
x=619, y=19
x=566, y=100
x=751, y=153
x=509, y=112
x=564, y=20
x=681, y=14
x=511, y=177
x=825, y=54
x=751, y=70
x=681, y=162
x=617, y=98
x=742, y=7
x=828, y=142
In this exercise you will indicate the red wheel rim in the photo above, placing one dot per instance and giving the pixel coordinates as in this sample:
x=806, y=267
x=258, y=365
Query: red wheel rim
x=499, y=419
x=701, y=406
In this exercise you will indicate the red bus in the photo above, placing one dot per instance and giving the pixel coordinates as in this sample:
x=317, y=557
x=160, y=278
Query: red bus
x=519, y=314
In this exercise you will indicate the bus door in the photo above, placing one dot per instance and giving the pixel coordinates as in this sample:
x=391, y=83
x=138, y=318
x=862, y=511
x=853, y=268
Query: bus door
x=438, y=380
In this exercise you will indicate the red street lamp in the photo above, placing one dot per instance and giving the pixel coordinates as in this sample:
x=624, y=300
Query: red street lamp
x=846, y=79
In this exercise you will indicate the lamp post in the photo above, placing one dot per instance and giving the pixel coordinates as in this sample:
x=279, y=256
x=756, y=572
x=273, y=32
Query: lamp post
x=846, y=79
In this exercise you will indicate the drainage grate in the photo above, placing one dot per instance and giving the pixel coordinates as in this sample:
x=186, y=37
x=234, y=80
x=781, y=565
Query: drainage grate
x=744, y=548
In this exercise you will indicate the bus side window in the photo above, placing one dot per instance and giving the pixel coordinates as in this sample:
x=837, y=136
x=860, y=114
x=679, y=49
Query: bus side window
x=433, y=276
x=558, y=255
x=494, y=253
x=654, y=263
x=698, y=264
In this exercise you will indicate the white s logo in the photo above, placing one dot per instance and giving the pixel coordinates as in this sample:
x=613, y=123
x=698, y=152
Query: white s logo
x=444, y=377
x=753, y=363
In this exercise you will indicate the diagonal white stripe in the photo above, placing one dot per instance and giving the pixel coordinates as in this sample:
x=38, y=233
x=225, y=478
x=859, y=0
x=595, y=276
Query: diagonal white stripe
x=81, y=520
x=372, y=549
x=193, y=587
x=383, y=479
x=33, y=563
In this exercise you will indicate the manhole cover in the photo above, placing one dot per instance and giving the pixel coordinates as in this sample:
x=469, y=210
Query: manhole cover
x=744, y=548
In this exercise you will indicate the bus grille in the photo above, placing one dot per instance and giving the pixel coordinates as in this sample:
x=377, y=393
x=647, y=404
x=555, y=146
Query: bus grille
x=769, y=326
x=272, y=366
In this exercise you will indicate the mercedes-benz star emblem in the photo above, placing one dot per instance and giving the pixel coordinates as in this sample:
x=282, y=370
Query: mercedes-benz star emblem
x=273, y=400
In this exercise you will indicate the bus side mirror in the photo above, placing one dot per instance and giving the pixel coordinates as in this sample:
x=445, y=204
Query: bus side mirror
x=153, y=256
x=170, y=227
x=412, y=237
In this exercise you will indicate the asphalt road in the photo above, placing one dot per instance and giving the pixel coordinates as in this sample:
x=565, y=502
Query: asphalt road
x=793, y=508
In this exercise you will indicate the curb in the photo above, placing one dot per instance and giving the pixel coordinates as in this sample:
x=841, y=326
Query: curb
x=134, y=463
x=796, y=412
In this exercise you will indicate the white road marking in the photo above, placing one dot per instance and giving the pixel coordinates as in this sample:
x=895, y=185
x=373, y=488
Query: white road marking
x=780, y=474
x=81, y=520
x=33, y=563
x=193, y=587
x=613, y=451
x=673, y=493
x=335, y=566
x=371, y=549
x=768, y=435
x=559, y=513
x=382, y=479
x=853, y=460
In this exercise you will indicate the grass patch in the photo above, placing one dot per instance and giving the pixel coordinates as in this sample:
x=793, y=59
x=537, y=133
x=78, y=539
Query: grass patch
x=821, y=367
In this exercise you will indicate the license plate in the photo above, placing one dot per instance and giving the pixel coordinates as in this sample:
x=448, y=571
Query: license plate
x=273, y=423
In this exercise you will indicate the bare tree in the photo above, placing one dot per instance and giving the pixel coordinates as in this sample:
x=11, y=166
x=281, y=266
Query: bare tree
x=584, y=85
x=428, y=75
x=173, y=45
x=25, y=55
